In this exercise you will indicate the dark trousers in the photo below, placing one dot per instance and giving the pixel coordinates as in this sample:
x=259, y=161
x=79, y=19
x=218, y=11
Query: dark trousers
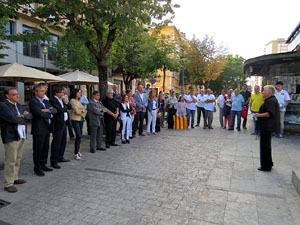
x=70, y=127
x=138, y=122
x=40, y=146
x=199, y=111
x=110, y=127
x=265, y=149
x=96, y=137
x=87, y=119
x=58, y=145
x=77, y=125
x=172, y=112
x=245, y=119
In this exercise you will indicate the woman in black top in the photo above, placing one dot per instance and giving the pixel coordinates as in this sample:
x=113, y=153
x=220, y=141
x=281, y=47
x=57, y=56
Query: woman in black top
x=268, y=122
x=126, y=112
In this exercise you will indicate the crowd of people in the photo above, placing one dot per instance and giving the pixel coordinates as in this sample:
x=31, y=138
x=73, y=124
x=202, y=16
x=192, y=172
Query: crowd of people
x=61, y=113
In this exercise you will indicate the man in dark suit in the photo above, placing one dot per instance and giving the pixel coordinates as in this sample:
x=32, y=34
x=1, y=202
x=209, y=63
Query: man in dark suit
x=96, y=111
x=110, y=118
x=13, y=133
x=59, y=127
x=42, y=112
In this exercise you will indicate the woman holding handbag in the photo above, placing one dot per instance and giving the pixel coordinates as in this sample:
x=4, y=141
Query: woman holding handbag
x=126, y=112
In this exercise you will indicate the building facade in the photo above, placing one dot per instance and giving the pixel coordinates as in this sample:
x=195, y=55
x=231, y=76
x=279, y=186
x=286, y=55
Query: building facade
x=276, y=46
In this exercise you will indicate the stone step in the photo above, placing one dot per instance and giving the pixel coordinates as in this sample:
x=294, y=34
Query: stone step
x=296, y=180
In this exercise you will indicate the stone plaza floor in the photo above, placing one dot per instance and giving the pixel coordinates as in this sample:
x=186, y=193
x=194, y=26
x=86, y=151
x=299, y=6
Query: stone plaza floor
x=194, y=177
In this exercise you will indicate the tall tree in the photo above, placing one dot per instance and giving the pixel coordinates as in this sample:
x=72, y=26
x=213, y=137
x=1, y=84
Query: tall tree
x=97, y=22
x=232, y=76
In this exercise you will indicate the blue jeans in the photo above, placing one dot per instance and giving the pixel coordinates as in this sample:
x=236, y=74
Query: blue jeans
x=239, y=115
x=255, y=120
x=77, y=126
x=189, y=114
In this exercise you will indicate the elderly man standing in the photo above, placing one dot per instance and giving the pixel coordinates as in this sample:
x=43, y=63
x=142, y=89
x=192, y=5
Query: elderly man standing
x=141, y=105
x=96, y=111
x=42, y=112
x=209, y=105
x=256, y=101
x=200, y=106
x=13, y=133
x=221, y=103
x=236, y=109
x=268, y=122
x=110, y=118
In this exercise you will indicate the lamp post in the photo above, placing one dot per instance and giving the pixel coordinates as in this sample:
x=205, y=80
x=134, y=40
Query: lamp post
x=182, y=81
x=45, y=47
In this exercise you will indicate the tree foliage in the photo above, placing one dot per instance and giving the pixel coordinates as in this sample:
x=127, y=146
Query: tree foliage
x=232, y=76
x=205, y=60
x=97, y=22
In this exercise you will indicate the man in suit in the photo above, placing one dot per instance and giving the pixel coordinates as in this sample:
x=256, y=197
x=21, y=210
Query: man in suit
x=42, y=112
x=141, y=101
x=110, y=118
x=96, y=111
x=13, y=133
x=59, y=126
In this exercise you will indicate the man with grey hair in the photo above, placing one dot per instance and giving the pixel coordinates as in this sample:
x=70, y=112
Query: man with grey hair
x=141, y=101
x=200, y=107
x=110, y=118
x=268, y=122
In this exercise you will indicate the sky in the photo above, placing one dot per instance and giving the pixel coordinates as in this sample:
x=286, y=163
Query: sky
x=244, y=27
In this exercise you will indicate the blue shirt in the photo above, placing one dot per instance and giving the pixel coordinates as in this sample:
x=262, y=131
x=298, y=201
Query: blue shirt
x=237, y=102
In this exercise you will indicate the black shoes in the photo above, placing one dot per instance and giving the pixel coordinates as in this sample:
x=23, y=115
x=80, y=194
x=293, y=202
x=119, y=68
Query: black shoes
x=114, y=144
x=101, y=149
x=39, y=172
x=230, y=128
x=197, y=125
x=55, y=166
x=107, y=146
x=64, y=160
x=128, y=141
x=263, y=169
x=92, y=151
x=123, y=142
x=46, y=169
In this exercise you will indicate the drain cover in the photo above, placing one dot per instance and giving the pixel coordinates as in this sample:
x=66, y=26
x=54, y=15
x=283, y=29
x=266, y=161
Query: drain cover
x=3, y=203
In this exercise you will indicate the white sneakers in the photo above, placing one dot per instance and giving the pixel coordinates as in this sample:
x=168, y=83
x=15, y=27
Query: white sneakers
x=78, y=156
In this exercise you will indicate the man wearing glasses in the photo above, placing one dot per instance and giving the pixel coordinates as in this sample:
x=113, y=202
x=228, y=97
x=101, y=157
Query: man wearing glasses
x=13, y=132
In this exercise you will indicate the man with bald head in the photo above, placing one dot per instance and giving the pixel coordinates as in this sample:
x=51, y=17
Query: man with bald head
x=141, y=101
x=268, y=122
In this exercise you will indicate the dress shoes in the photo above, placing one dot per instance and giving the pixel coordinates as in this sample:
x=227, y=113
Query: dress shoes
x=114, y=144
x=46, y=169
x=130, y=137
x=107, y=146
x=128, y=141
x=19, y=181
x=64, y=160
x=210, y=128
x=92, y=151
x=11, y=189
x=55, y=166
x=101, y=149
x=39, y=172
x=230, y=129
x=263, y=169
x=134, y=135
x=142, y=135
x=123, y=142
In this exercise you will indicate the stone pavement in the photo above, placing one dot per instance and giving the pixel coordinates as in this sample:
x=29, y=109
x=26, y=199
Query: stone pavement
x=194, y=177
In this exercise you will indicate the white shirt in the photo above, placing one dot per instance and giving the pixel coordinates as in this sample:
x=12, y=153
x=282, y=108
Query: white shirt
x=62, y=105
x=191, y=106
x=209, y=106
x=142, y=95
x=282, y=97
x=220, y=101
x=154, y=104
x=21, y=128
x=200, y=100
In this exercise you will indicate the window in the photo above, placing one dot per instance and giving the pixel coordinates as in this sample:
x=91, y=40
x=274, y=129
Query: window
x=10, y=28
x=30, y=49
x=52, y=46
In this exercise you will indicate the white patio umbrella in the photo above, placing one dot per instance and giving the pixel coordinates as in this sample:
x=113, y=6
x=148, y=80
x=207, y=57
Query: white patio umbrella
x=20, y=73
x=80, y=77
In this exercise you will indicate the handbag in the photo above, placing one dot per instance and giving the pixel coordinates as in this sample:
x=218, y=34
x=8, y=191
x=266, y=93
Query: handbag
x=159, y=115
x=226, y=110
x=244, y=112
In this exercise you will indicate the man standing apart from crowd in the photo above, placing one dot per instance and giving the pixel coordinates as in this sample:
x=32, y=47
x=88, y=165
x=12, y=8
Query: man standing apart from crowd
x=256, y=102
x=13, y=133
x=283, y=99
x=96, y=112
x=110, y=118
x=236, y=110
x=209, y=109
x=42, y=112
x=200, y=106
x=221, y=103
x=246, y=95
x=268, y=122
x=59, y=127
x=191, y=101
x=141, y=102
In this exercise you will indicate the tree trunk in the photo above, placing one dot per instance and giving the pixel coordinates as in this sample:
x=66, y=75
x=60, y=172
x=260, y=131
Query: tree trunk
x=102, y=73
x=164, y=81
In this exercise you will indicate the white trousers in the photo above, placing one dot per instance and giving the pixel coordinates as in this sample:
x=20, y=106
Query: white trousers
x=127, y=126
x=130, y=131
x=152, y=119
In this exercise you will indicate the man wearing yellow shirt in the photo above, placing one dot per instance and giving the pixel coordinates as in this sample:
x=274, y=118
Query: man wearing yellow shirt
x=256, y=101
